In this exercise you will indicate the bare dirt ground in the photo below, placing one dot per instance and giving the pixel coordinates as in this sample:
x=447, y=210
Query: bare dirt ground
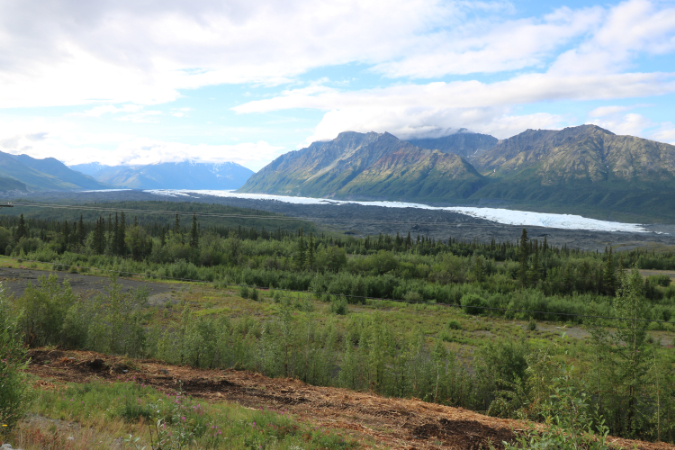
x=15, y=280
x=396, y=423
x=363, y=220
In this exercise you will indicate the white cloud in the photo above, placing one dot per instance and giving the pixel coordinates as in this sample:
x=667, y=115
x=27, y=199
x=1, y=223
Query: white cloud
x=488, y=46
x=101, y=110
x=632, y=28
x=608, y=110
x=66, y=52
x=435, y=108
x=629, y=124
x=665, y=133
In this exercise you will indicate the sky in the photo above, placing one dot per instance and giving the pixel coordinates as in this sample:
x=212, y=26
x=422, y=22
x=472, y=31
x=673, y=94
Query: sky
x=144, y=81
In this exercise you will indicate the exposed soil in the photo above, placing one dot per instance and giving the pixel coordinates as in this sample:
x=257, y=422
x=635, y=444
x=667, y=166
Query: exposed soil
x=363, y=220
x=397, y=423
x=15, y=280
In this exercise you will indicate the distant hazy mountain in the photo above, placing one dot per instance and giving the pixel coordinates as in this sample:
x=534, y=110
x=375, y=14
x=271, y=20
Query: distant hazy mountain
x=368, y=166
x=44, y=174
x=182, y=175
x=463, y=143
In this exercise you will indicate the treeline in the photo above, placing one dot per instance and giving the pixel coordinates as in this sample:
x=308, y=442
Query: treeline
x=523, y=279
x=625, y=379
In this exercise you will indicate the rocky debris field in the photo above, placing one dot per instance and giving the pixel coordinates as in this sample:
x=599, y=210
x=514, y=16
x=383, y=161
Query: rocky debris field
x=14, y=280
x=395, y=423
x=361, y=220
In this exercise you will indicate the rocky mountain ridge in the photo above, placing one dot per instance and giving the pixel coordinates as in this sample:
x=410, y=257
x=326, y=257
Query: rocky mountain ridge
x=577, y=169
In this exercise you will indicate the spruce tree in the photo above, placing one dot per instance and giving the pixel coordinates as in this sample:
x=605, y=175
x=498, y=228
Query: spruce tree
x=534, y=273
x=80, y=231
x=115, y=239
x=310, y=252
x=609, y=275
x=301, y=252
x=524, y=256
x=194, y=233
x=121, y=236
x=22, y=229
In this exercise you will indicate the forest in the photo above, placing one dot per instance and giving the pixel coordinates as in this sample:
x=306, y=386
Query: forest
x=330, y=306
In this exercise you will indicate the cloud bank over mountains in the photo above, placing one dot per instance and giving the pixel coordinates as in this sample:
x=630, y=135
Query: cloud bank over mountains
x=241, y=81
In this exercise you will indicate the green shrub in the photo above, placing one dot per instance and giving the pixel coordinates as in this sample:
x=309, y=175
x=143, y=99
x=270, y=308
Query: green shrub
x=454, y=325
x=662, y=280
x=413, y=297
x=532, y=325
x=13, y=390
x=244, y=292
x=338, y=305
x=473, y=304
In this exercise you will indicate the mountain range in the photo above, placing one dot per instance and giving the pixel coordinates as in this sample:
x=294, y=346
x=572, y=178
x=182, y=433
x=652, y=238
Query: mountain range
x=23, y=173
x=170, y=175
x=584, y=169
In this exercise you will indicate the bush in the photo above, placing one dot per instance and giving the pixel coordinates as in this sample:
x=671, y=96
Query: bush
x=473, y=304
x=660, y=280
x=244, y=292
x=12, y=359
x=413, y=297
x=454, y=325
x=338, y=305
x=532, y=325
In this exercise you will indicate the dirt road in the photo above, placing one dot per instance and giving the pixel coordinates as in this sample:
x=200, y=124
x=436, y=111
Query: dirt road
x=397, y=423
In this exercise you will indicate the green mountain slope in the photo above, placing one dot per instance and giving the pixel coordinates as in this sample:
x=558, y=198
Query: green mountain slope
x=583, y=169
x=9, y=184
x=466, y=144
x=368, y=166
x=44, y=174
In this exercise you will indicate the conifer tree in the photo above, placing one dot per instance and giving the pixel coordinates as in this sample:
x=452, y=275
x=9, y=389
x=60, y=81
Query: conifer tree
x=121, y=236
x=115, y=239
x=301, y=252
x=609, y=275
x=194, y=233
x=311, y=260
x=80, y=231
x=534, y=273
x=524, y=255
x=22, y=229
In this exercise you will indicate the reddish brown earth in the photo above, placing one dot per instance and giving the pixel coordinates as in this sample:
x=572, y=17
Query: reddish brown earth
x=392, y=422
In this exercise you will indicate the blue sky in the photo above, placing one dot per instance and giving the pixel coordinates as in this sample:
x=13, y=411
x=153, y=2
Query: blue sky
x=128, y=82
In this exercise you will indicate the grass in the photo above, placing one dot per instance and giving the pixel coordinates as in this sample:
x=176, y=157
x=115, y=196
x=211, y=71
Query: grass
x=129, y=415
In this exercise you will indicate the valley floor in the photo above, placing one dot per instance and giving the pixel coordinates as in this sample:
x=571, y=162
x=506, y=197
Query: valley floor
x=361, y=220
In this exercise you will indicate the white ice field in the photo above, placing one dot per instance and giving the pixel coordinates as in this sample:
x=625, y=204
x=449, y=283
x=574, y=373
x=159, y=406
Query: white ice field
x=505, y=216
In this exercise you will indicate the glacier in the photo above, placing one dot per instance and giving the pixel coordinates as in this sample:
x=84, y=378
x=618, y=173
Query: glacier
x=499, y=215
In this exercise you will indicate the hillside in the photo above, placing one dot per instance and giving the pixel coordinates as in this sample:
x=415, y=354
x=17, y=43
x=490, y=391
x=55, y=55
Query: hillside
x=10, y=184
x=44, y=174
x=464, y=143
x=368, y=165
x=582, y=169
x=182, y=175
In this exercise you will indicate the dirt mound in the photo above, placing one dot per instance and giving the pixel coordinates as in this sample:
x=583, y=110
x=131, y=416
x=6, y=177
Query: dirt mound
x=467, y=434
x=395, y=423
